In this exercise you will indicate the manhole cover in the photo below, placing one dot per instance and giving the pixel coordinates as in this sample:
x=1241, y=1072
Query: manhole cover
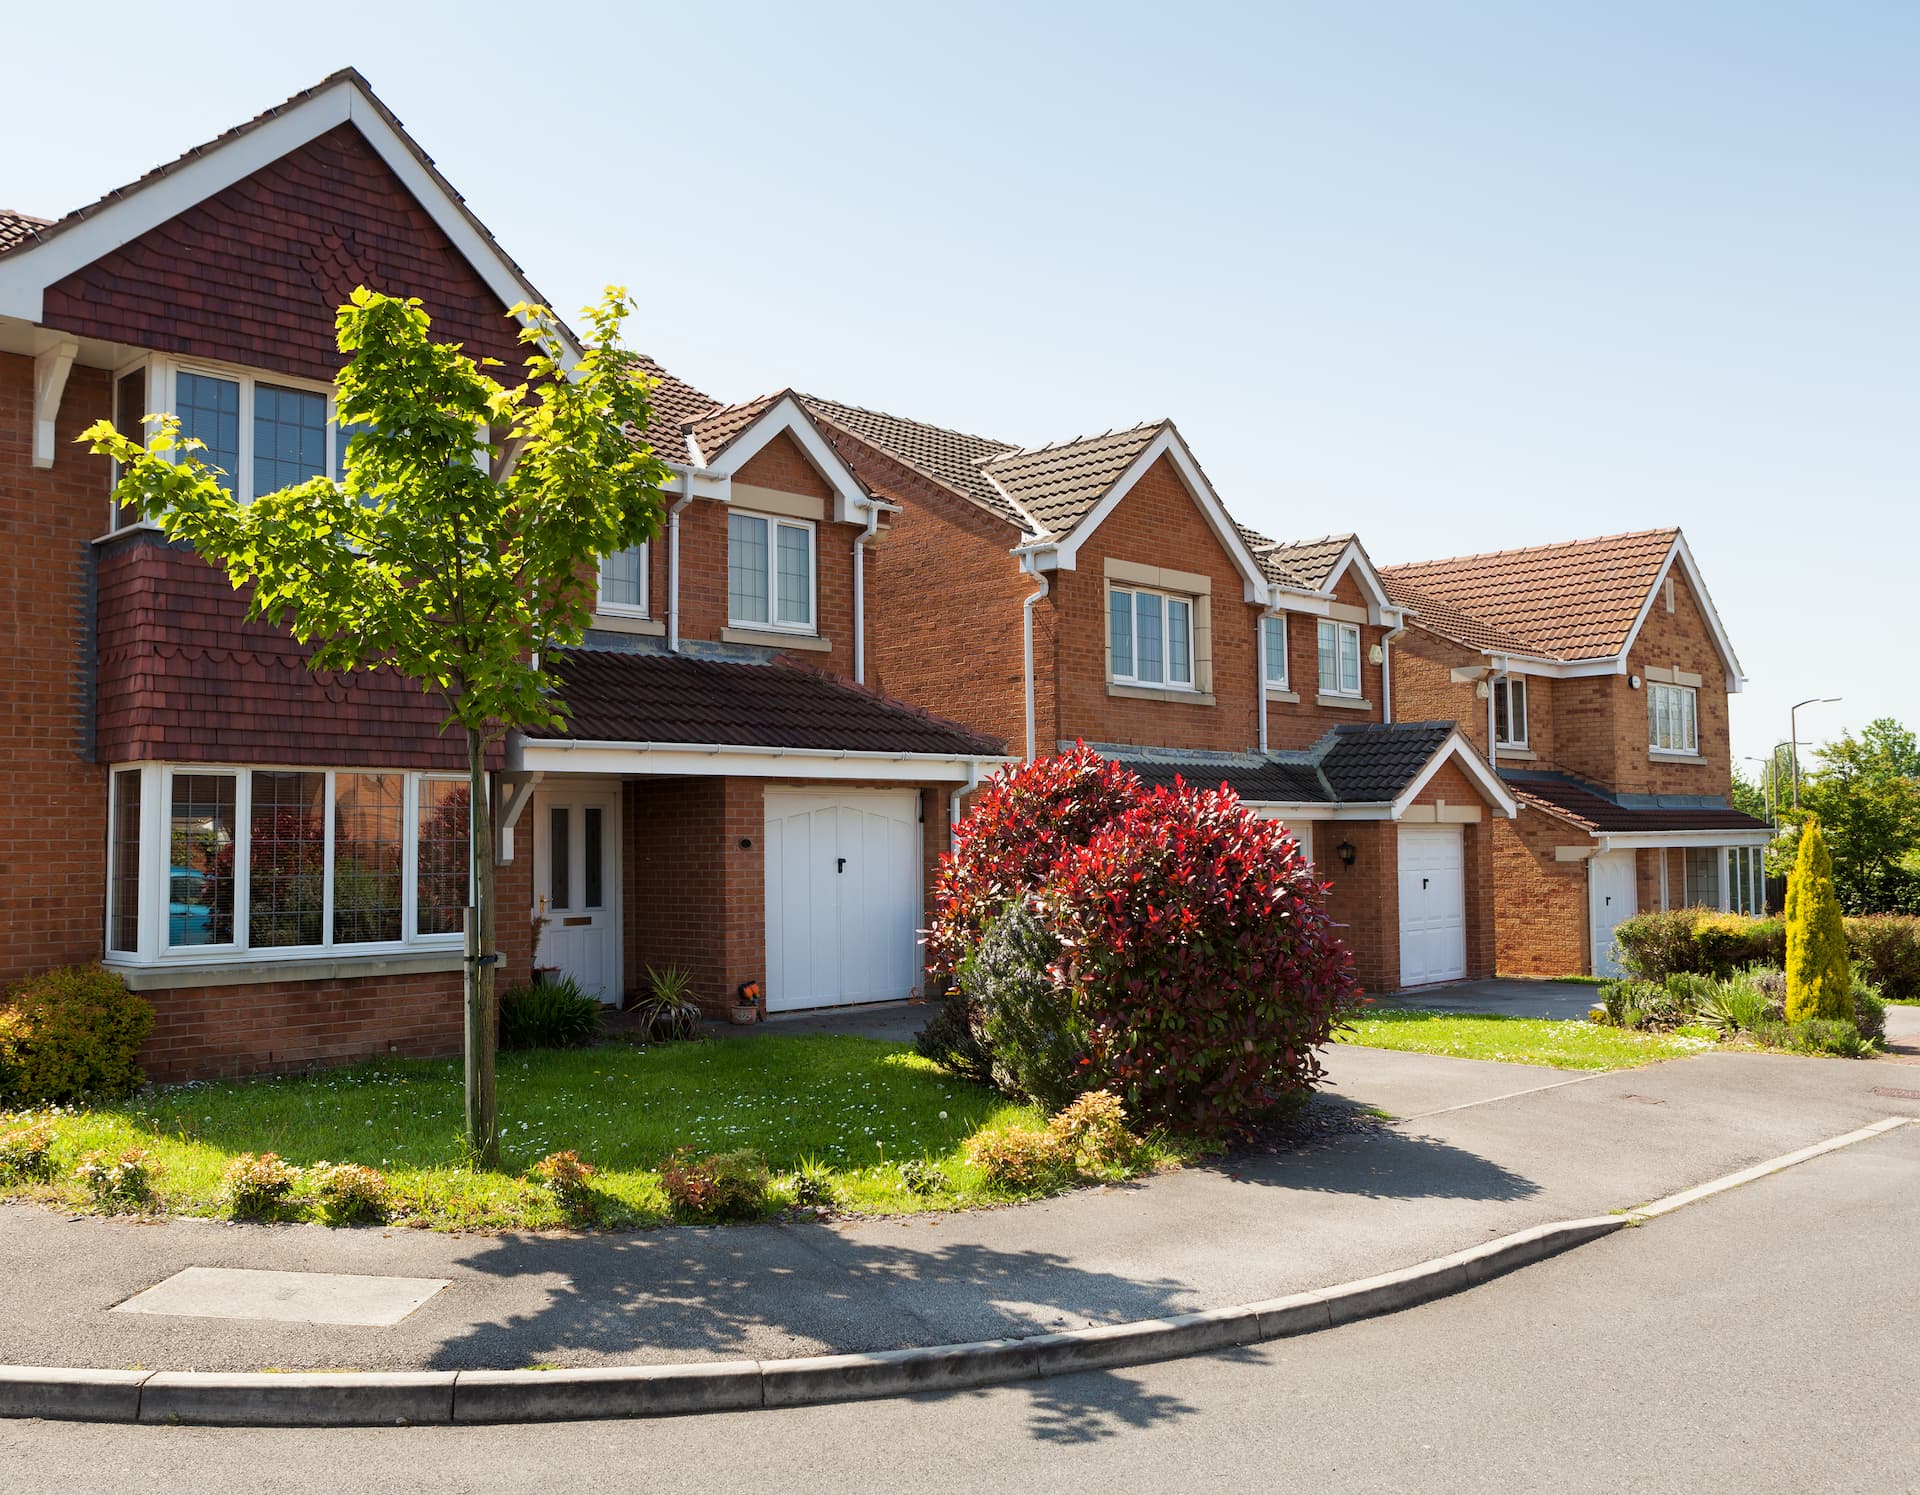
x=291, y=1297
x=1896, y=1094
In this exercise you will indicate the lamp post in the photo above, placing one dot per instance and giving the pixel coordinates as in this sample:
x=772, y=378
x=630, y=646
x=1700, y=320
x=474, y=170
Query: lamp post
x=1793, y=737
x=1766, y=783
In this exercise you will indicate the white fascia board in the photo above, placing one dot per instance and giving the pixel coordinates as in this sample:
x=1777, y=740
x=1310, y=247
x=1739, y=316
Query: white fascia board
x=1320, y=810
x=1169, y=444
x=563, y=756
x=1287, y=600
x=1354, y=558
x=28, y=271
x=1457, y=748
x=1683, y=553
x=1677, y=840
x=786, y=414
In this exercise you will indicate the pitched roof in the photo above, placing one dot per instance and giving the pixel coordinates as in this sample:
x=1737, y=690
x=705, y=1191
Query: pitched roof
x=952, y=459
x=1058, y=486
x=714, y=430
x=676, y=404
x=1301, y=563
x=1576, y=600
x=1367, y=763
x=1449, y=621
x=615, y=696
x=17, y=228
x=1593, y=809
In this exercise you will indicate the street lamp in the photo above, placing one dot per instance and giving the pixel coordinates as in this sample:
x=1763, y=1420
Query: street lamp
x=1766, y=782
x=1793, y=737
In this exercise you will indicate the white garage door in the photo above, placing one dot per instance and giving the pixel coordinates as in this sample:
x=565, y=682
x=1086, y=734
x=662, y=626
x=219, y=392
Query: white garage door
x=843, y=896
x=1611, y=897
x=1433, y=904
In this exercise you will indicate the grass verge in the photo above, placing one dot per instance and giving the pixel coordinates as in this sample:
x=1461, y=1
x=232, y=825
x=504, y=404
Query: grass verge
x=1520, y=1040
x=855, y=1108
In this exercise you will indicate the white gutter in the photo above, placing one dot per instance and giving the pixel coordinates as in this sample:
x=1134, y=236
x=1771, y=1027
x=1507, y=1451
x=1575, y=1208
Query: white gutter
x=1029, y=564
x=860, y=543
x=568, y=755
x=673, y=562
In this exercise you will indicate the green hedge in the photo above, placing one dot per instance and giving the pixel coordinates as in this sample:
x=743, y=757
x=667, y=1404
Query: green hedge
x=1885, y=948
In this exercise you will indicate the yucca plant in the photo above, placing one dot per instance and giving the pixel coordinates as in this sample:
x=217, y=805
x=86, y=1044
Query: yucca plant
x=668, y=1009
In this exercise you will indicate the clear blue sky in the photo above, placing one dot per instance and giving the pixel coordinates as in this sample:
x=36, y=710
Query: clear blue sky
x=1459, y=277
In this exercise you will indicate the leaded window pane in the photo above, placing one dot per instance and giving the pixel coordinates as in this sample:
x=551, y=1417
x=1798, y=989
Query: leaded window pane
x=200, y=851
x=289, y=437
x=621, y=578
x=746, y=568
x=369, y=850
x=1276, y=650
x=209, y=411
x=440, y=894
x=1149, y=660
x=1120, y=632
x=795, y=574
x=123, y=911
x=1179, y=642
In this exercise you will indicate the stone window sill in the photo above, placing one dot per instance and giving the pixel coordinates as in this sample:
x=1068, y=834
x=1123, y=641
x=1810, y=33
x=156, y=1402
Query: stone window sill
x=1674, y=755
x=627, y=623
x=244, y=972
x=1158, y=693
x=1344, y=703
x=1290, y=697
x=770, y=639
x=1524, y=755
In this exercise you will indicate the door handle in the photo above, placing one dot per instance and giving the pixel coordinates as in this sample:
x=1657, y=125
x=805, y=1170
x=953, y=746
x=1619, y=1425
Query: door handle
x=843, y=864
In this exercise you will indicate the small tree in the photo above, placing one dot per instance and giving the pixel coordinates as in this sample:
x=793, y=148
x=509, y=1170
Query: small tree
x=1819, y=979
x=455, y=550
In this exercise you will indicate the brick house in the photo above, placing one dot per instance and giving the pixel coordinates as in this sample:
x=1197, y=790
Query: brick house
x=277, y=858
x=1596, y=673
x=1098, y=590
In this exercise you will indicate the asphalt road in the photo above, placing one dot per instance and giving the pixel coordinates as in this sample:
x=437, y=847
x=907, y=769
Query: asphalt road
x=1760, y=1341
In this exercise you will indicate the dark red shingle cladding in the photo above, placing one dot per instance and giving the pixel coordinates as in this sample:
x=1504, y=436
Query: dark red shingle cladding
x=183, y=676
x=670, y=698
x=255, y=274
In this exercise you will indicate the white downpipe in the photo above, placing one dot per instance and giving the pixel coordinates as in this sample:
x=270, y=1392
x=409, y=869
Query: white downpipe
x=1026, y=620
x=1260, y=681
x=954, y=798
x=1493, y=677
x=673, y=564
x=860, y=543
x=1387, y=641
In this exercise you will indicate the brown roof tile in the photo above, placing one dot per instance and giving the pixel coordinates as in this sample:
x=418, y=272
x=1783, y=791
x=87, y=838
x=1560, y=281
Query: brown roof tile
x=17, y=228
x=1576, y=600
x=1060, y=485
x=713, y=431
x=676, y=404
x=615, y=696
x=1302, y=563
x=952, y=459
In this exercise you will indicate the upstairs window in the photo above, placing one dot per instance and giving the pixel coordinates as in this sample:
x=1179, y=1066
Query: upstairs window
x=1672, y=719
x=1339, y=659
x=623, y=581
x=770, y=573
x=1150, y=636
x=1276, y=635
x=1510, y=711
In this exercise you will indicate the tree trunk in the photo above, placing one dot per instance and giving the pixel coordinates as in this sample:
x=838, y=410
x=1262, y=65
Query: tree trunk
x=483, y=1117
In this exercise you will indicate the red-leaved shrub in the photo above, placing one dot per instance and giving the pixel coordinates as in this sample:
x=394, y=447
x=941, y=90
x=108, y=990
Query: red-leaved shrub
x=1202, y=964
x=1022, y=822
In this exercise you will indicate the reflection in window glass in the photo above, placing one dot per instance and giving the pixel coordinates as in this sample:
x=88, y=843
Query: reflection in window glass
x=200, y=852
x=621, y=583
x=746, y=569
x=795, y=574
x=209, y=411
x=369, y=819
x=1120, y=632
x=442, y=894
x=591, y=849
x=559, y=858
x=286, y=859
x=1276, y=651
x=1179, y=642
x=123, y=912
x=1148, y=661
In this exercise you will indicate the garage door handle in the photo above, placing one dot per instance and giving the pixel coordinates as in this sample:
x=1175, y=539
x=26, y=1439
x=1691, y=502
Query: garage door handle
x=1609, y=900
x=1423, y=885
x=843, y=864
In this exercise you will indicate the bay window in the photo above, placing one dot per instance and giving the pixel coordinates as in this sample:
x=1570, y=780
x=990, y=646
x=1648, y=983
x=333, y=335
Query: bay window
x=1672, y=720
x=1339, y=659
x=1150, y=638
x=1276, y=636
x=1510, y=711
x=214, y=862
x=770, y=574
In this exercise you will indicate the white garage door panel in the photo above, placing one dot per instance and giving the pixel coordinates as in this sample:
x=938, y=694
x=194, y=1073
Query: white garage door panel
x=1433, y=905
x=1611, y=897
x=842, y=895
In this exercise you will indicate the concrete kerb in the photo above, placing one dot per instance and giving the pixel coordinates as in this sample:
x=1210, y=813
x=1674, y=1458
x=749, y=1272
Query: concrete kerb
x=507, y=1396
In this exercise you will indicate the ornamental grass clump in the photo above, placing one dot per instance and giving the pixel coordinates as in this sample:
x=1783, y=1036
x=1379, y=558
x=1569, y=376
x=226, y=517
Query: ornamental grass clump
x=1819, y=976
x=349, y=1193
x=26, y=1153
x=257, y=1185
x=120, y=1181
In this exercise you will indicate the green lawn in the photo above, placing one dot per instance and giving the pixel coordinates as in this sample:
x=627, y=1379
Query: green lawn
x=855, y=1106
x=1520, y=1040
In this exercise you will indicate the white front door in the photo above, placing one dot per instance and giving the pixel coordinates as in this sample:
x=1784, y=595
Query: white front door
x=576, y=884
x=1433, y=904
x=843, y=896
x=1612, y=896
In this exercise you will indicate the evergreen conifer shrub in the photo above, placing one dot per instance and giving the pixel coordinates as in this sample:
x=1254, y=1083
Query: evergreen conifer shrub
x=1819, y=976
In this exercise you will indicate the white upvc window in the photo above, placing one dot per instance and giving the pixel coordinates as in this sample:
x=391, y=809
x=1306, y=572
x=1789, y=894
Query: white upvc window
x=213, y=862
x=1339, y=658
x=770, y=572
x=623, y=582
x=1276, y=637
x=1510, y=711
x=1150, y=637
x=1672, y=719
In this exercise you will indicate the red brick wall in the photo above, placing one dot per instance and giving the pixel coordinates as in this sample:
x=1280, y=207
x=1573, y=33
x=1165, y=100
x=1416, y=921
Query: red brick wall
x=783, y=466
x=1541, y=903
x=945, y=564
x=53, y=816
x=1424, y=689
x=255, y=274
x=1364, y=897
x=1677, y=640
x=1301, y=724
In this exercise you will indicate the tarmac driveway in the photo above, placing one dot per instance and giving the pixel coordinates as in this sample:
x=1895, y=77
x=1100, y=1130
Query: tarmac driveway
x=1502, y=996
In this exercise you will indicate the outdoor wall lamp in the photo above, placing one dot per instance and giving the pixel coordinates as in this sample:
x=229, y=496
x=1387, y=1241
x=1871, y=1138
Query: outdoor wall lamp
x=1345, y=852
